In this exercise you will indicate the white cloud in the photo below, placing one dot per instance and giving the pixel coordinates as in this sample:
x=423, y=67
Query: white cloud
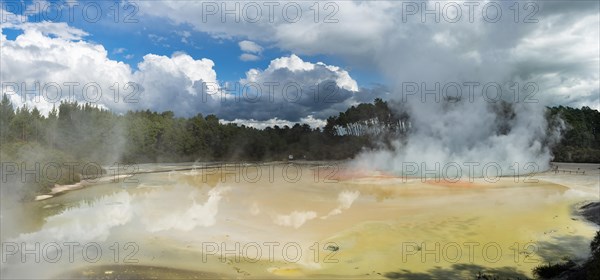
x=181, y=63
x=310, y=120
x=292, y=63
x=165, y=83
x=35, y=57
x=119, y=50
x=250, y=47
x=185, y=35
x=376, y=35
x=251, y=51
x=314, y=123
x=175, y=83
x=10, y=19
x=57, y=29
x=302, y=72
x=292, y=90
x=249, y=57
x=156, y=38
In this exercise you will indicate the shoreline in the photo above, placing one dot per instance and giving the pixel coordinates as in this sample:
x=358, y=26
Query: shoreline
x=62, y=189
x=590, y=211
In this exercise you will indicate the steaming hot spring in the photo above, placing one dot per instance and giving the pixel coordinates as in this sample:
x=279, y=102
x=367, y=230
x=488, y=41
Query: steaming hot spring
x=301, y=219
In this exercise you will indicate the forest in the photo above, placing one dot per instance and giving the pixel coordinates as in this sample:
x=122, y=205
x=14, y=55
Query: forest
x=580, y=141
x=74, y=132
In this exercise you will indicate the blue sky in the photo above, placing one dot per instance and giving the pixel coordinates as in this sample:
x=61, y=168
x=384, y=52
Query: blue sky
x=370, y=50
x=130, y=36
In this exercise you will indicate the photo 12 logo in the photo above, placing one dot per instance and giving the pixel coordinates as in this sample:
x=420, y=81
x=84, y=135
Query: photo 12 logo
x=56, y=172
x=452, y=172
x=69, y=252
x=470, y=91
x=327, y=92
x=469, y=11
x=269, y=11
x=12, y=11
x=290, y=252
x=91, y=92
x=255, y=172
x=454, y=252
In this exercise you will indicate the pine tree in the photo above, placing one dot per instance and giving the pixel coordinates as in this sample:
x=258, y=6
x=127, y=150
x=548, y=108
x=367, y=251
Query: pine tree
x=7, y=114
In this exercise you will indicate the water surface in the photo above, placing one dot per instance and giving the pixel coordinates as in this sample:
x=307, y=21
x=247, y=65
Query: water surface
x=306, y=220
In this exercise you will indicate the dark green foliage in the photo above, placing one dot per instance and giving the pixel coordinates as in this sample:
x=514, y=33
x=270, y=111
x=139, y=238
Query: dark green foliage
x=592, y=266
x=590, y=270
x=548, y=271
x=7, y=114
x=376, y=114
x=595, y=245
x=486, y=276
x=580, y=140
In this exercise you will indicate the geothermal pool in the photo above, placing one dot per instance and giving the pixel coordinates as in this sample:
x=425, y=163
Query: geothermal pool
x=309, y=220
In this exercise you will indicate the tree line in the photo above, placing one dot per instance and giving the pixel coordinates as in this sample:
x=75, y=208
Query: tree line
x=87, y=133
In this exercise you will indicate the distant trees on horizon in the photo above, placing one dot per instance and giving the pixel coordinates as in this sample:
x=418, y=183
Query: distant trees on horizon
x=87, y=132
x=84, y=133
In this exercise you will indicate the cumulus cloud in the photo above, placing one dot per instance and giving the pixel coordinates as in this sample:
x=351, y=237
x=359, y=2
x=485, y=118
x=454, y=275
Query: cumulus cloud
x=175, y=83
x=291, y=89
x=378, y=35
x=304, y=91
x=292, y=68
x=34, y=57
x=368, y=34
x=35, y=61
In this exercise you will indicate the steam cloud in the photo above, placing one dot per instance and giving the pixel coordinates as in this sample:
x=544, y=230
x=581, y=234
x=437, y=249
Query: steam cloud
x=345, y=199
x=449, y=139
x=482, y=127
x=295, y=219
